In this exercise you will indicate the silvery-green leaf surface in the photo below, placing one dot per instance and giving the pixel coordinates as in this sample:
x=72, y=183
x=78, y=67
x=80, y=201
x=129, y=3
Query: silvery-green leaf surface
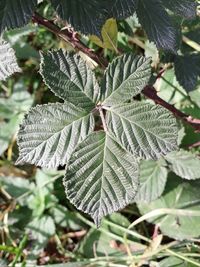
x=8, y=61
x=101, y=177
x=124, y=78
x=146, y=130
x=50, y=133
x=69, y=78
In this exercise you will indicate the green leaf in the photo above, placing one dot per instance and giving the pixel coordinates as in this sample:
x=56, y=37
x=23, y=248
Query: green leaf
x=89, y=16
x=41, y=230
x=170, y=90
x=7, y=131
x=157, y=24
x=8, y=61
x=16, y=186
x=184, y=164
x=176, y=262
x=100, y=241
x=49, y=134
x=178, y=195
x=121, y=8
x=153, y=178
x=15, y=14
x=18, y=103
x=69, y=264
x=109, y=34
x=185, y=8
x=124, y=78
x=65, y=218
x=69, y=78
x=187, y=70
x=146, y=130
x=11, y=113
x=101, y=176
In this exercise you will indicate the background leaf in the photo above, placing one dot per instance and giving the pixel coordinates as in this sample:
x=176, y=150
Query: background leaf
x=187, y=70
x=185, y=164
x=153, y=178
x=185, y=8
x=12, y=110
x=177, y=195
x=89, y=17
x=157, y=24
x=15, y=14
x=8, y=61
x=86, y=17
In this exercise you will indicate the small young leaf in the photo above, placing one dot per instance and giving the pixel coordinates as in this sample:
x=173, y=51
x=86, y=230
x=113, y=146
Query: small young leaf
x=8, y=61
x=153, y=178
x=125, y=77
x=157, y=24
x=184, y=164
x=101, y=176
x=109, y=35
x=15, y=14
x=49, y=134
x=68, y=76
x=187, y=70
x=144, y=129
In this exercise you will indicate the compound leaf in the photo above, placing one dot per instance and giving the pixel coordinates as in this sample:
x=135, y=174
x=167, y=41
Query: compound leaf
x=178, y=196
x=69, y=78
x=15, y=14
x=49, y=134
x=184, y=164
x=153, y=178
x=125, y=77
x=8, y=61
x=157, y=24
x=143, y=129
x=101, y=176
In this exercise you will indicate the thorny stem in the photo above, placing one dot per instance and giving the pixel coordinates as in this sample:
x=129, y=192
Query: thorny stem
x=149, y=91
x=68, y=36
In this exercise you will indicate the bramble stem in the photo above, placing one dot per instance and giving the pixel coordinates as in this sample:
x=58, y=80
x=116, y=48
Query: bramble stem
x=68, y=36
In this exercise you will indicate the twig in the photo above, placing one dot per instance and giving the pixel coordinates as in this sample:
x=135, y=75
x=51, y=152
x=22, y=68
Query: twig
x=150, y=92
x=194, y=145
x=68, y=36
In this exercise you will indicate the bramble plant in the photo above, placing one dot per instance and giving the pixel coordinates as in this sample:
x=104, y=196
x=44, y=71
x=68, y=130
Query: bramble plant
x=105, y=125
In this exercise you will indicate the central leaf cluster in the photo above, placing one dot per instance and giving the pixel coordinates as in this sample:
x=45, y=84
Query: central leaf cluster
x=102, y=166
